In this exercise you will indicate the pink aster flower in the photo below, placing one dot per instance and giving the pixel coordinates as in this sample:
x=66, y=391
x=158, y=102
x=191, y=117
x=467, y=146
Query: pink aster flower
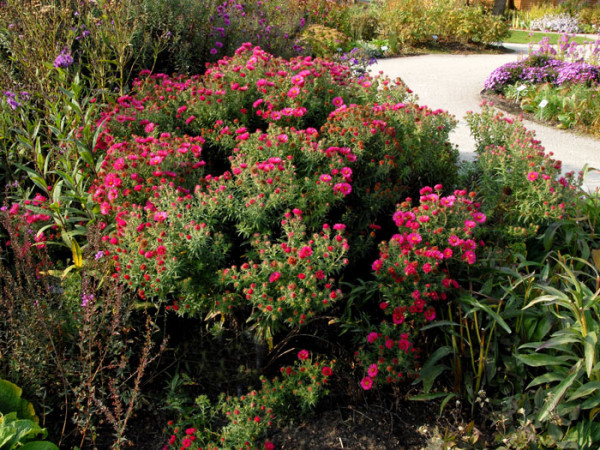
x=372, y=337
x=337, y=101
x=470, y=257
x=305, y=252
x=532, y=176
x=274, y=277
x=303, y=355
x=366, y=383
x=372, y=370
x=344, y=188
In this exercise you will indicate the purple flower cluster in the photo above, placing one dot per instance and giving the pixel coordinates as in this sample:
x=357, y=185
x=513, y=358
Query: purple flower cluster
x=13, y=100
x=64, y=60
x=536, y=70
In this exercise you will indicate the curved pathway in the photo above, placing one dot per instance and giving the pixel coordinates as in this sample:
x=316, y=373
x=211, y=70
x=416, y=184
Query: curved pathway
x=453, y=83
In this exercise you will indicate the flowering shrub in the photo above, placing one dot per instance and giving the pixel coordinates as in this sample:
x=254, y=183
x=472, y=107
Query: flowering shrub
x=415, y=271
x=520, y=183
x=248, y=418
x=540, y=69
x=558, y=84
x=251, y=89
x=288, y=282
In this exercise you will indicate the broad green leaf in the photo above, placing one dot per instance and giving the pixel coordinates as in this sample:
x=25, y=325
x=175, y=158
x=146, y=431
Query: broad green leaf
x=483, y=307
x=56, y=192
x=548, y=377
x=559, y=391
x=11, y=401
x=540, y=360
x=591, y=402
x=585, y=390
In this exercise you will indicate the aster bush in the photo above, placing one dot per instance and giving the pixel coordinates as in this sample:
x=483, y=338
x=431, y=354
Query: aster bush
x=176, y=200
x=248, y=418
x=247, y=199
x=520, y=184
x=416, y=276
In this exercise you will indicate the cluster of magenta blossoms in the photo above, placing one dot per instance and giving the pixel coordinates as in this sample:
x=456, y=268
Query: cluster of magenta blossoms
x=415, y=272
x=244, y=421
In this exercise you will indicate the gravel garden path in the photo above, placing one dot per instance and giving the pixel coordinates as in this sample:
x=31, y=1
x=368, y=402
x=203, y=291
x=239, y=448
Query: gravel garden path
x=454, y=83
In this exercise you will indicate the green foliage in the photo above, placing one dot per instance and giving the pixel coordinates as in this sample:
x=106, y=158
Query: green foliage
x=19, y=424
x=234, y=422
x=92, y=363
x=520, y=185
x=323, y=41
x=412, y=24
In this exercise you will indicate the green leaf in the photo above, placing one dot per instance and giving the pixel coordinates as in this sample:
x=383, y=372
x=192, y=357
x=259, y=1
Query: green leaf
x=483, y=307
x=559, y=391
x=39, y=445
x=540, y=360
x=548, y=377
x=590, y=346
x=439, y=323
x=585, y=390
x=429, y=375
x=11, y=401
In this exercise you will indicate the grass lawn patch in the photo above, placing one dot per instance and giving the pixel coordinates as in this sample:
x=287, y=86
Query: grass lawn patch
x=533, y=37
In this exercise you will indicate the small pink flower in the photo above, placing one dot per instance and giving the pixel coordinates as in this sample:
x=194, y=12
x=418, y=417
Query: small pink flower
x=470, y=257
x=532, y=176
x=366, y=383
x=479, y=217
x=398, y=316
x=305, y=252
x=454, y=241
x=429, y=314
x=303, y=355
x=372, y=370
x=160, y=216
x=344, y=188
x=337, y=101
x=150, y=127
x=293, y=92
x=372, y=337
x=274, y=277
x=298, y=80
